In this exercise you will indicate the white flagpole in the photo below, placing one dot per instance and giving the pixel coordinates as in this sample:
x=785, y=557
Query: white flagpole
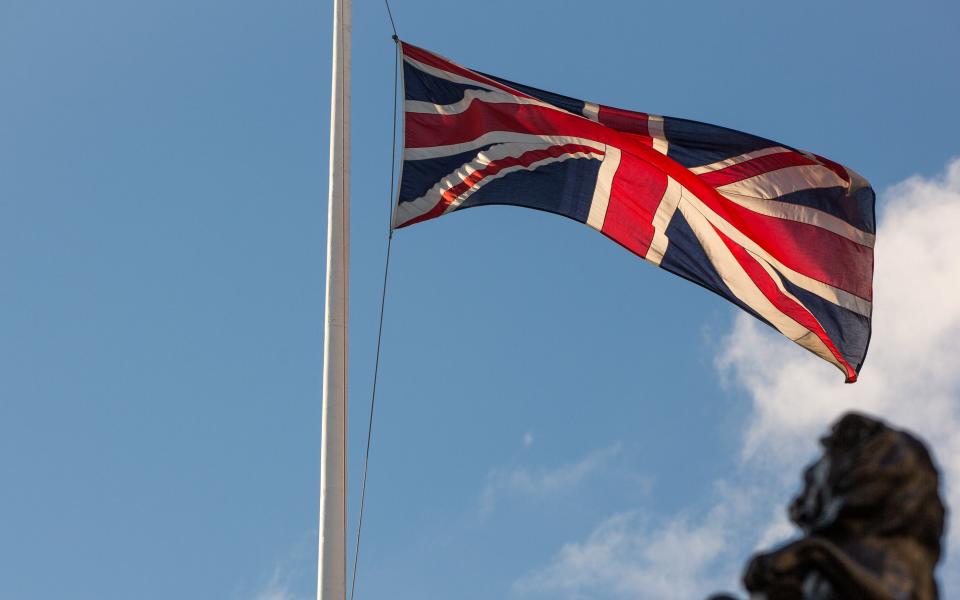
x=332, y=556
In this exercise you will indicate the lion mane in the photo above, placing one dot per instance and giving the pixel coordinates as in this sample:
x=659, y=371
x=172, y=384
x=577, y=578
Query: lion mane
x=872, y=520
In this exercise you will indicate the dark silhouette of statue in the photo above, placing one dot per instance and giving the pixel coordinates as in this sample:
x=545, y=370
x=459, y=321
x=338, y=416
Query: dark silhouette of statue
x=872, y=520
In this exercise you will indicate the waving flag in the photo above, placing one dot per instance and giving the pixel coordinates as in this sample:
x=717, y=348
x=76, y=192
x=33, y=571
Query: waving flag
x=784, y=234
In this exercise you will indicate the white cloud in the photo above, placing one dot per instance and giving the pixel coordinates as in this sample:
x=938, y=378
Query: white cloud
x=540, y=482
x=911, y=377
x=293, y=572
x=527, y=439
x=277, y=588
x=629, y=556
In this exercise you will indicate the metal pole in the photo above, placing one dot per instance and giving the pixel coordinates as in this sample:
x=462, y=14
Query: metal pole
x=331, y=560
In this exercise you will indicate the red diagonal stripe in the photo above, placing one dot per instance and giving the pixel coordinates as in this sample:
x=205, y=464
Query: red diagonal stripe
x=425, y=130
x=754, y=167
x=526, y=159
x=784, y=303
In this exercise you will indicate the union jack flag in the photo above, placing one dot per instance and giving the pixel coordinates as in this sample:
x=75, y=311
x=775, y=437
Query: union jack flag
x=784, y=234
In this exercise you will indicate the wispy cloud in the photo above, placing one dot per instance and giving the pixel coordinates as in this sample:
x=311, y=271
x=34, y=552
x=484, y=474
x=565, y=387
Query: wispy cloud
x=277, y=588
x=911, y=377
x=542, y=482
x=293, y=576
x=632, y=555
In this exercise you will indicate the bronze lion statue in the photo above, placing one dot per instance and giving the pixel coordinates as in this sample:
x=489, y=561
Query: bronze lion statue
x=872, y=520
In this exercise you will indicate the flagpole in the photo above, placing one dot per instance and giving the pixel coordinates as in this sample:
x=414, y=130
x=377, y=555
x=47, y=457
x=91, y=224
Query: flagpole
x=332, y=552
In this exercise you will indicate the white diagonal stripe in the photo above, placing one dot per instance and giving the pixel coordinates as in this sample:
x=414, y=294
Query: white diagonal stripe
x=450, y=76
x=498, y=137
x=773, y=184
x=811, y=344
x=455, y=108
x=491, y=94
x=804, y=214
x=504, y=172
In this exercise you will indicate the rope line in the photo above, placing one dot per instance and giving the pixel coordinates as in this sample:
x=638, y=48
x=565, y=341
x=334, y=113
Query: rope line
x=390, y=14
x=383, y=299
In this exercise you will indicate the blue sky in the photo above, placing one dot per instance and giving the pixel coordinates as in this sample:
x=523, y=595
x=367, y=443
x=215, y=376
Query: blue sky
x=557, y=419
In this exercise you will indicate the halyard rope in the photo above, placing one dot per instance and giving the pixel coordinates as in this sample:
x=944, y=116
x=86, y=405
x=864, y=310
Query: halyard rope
x=383, y=298
x=390, y=14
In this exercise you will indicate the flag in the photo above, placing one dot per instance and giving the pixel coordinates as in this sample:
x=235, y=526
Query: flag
x=784, y=234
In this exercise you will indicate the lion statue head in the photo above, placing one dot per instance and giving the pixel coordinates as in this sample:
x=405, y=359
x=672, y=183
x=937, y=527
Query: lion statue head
x=872, y=480
x=872, y=520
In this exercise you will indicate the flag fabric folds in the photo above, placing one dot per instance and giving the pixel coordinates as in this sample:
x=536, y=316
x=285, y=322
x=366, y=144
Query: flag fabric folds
x=784, y=234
